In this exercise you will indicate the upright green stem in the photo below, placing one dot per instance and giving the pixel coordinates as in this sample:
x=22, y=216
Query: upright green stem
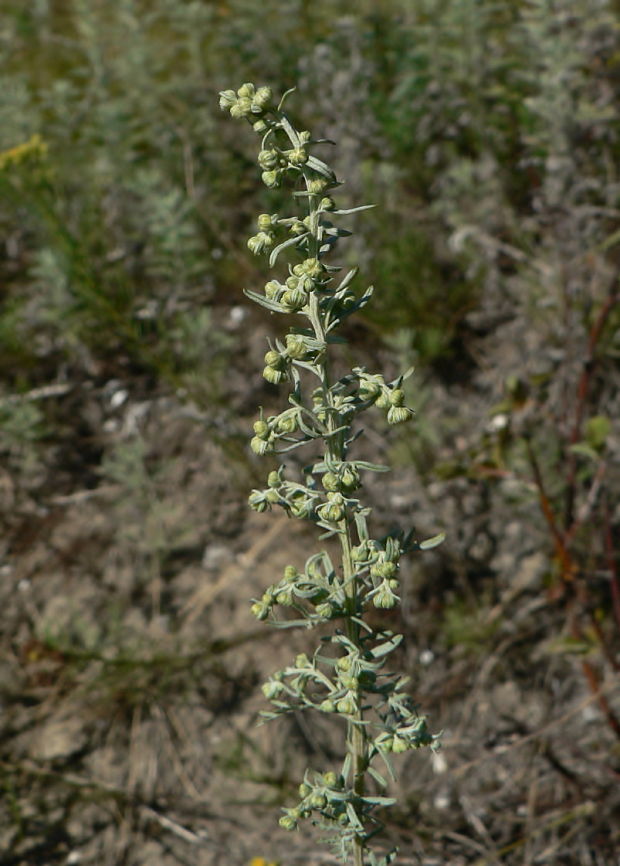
x=368, y=572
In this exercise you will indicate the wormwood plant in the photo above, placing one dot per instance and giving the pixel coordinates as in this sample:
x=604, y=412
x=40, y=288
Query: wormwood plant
x=346, y=675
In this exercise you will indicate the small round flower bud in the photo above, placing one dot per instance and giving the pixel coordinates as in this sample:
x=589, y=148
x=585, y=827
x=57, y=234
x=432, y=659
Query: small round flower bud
x=304, y=790
x=398, y=414
x=268, y=159
x=260, y=446
x=383, y=400
x=349, y=682
x=271, y=178
x=241, y=108
x=294, y=300
x=330, y=779
x=290, y=573
x=317, y=185
x=331, y=512
x=397, y=397
x=285, y=597
x=345, y=705
x=274, y=359
x=324, y=610
x=272, y=496
x=327, y=706
x=287, y=424
x=261, y=428
x=260, y=126
x=275, y=377
x=260, y=610
x=385, y=598
x=383, y=569
x=344, y=663
x=287, y=822
x=298, y=228
x=227, y=98
x=327, y=203
x=330, y=481
x=302, y=661
x=369, y=390
x=256, y=501
x=247, y=90
x=318, y=801
x=260, y=242
x=350, y=478
x=273, y=479
x=304, y=136
x=296, y=346
x=262, y=98
x=272, y=289
x=264, y=222
x=297, y=156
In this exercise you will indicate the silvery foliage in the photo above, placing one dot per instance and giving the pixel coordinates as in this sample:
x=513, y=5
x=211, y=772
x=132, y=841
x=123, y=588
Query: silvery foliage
x=346, y=674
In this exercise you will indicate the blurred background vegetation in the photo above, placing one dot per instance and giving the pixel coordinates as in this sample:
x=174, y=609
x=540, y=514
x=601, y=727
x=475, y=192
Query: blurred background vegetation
x=487, y=133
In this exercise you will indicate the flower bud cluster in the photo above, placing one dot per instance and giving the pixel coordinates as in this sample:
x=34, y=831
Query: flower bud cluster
x=389, y=397
x=349, y=680
x=248, y=101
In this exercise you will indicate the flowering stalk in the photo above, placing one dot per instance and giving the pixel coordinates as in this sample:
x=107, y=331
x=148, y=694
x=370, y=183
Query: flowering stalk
x=345, y=675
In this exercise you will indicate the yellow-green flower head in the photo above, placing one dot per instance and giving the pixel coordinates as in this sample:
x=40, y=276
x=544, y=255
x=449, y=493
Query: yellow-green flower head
x=287, y=822
x=246, y=90
x=261, y=446
x=297, y=156
x=385, y=598
x=241, y=108
x=399, y=414
x=275, y=377
x=261, y=428
x=330, y=481
x=260, y=610
x=294, y=300
x=265, y=221
x=383, y=569
x=227, y=99
x=287, y=424
x=318, y=800
x=290, y=574
x=262, y=97
x=317, y=185
x=272, y=289
x=285, y=597
x=296, y=346
x=271, y=179
x=275, y=359
x=298, y=228
x=345, y=705
x=256, y=500
x=260, y=243
x=268, y=159
x=273, y=479
x=383, y=401
x=324, y=610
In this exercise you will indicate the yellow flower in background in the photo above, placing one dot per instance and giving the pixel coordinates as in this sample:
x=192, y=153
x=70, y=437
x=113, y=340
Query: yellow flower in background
x=260, y=861
x=34, y=149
